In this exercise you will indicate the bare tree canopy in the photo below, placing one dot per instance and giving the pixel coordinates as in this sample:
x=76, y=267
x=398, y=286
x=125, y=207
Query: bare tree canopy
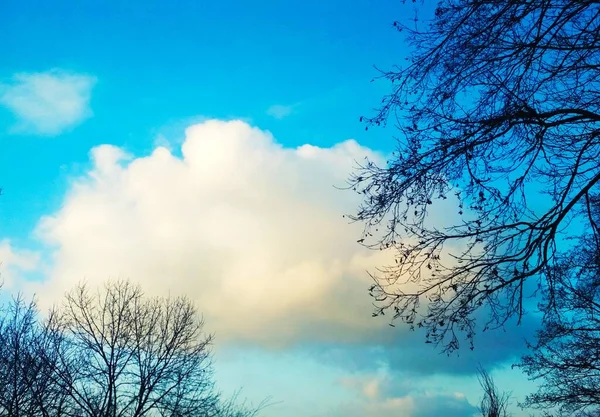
x=27, y=386
x=494, y=403
x=109, y=353
x=128, y=355
x=498, y=109
x=566, y=357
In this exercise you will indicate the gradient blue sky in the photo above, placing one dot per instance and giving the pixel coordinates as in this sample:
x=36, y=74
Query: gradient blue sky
x=78, y=75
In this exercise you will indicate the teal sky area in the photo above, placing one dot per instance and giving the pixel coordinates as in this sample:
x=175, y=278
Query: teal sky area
x=238, y=212
x=157, y=67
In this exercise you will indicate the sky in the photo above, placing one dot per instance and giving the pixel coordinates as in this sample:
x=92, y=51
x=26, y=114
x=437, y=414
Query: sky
x=198, y=148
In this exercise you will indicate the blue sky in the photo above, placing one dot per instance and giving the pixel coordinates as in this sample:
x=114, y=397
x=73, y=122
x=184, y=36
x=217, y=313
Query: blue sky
x=102, y=176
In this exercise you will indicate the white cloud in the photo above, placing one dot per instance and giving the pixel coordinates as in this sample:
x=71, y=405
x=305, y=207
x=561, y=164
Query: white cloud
x=369, y=386
x=47, y=103
x=376, y=397
x=415, y=406
x=14, y=262
x=401, y=406
x=251, y=230
x=280, y=111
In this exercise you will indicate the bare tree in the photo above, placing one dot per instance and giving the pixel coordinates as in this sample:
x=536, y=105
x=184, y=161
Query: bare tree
x=498, y=109
x=494, y=403
x=566, y=356
x=27, y=388
x=17, y=332
x=233, y=407
x=127, y=355
x=111, y=353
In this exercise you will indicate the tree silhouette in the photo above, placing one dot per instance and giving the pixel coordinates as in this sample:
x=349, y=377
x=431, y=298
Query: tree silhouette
x=494, y=403
x=566, y=355
x=28, y=389
x=498, y=111
x=127, y=355
x=110, y=353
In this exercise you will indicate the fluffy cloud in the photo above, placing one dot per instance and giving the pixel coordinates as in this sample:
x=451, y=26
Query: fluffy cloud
x=413, y=406
x=382, y=394
x=252, y=231
x=14, y=263
x=279, y=111
x=47, y=103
